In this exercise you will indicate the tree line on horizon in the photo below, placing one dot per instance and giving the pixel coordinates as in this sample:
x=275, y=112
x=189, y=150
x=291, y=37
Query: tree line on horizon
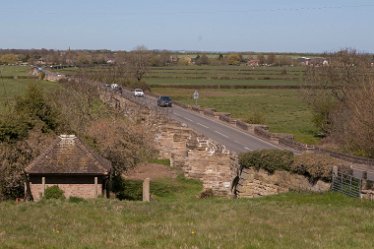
x=155, y=57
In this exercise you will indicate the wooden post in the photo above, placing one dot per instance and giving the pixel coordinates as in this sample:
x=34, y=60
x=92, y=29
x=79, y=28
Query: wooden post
x=25, y=191
x=96, y=186
x=146, y=192
x=43, y=184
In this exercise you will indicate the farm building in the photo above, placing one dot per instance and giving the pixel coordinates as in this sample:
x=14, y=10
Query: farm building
x=70, y=165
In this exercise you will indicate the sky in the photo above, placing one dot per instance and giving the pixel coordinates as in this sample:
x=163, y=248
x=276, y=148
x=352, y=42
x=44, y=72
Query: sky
x=192, y=25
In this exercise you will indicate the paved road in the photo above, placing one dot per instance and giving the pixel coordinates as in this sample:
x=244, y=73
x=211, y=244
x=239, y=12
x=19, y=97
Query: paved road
x=233, y=138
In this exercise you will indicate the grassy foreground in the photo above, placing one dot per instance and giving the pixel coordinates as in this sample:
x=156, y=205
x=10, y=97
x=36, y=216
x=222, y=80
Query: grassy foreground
x=290, y=220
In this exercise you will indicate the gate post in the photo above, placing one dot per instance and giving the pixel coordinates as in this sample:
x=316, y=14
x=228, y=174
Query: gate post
x=335, y=171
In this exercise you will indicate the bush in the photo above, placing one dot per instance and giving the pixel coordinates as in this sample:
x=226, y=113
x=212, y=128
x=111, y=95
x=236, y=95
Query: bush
x=13, y=158
x=314, y=166
x=53, y=192
x=132, y=190
x=255, y=118
x=13, y=127
x=269, y=160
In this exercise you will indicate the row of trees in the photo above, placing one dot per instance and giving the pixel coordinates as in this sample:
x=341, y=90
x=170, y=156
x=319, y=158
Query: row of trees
x=154, y=58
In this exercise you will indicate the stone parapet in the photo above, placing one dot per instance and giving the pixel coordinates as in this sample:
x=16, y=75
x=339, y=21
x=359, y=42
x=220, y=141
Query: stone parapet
x=254, y=183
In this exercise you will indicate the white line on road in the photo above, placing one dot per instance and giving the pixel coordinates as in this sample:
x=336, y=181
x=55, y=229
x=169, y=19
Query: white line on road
x=203, y=125
x=232, y=128
x=223, y=135
x=246, y=148
x=184, y=117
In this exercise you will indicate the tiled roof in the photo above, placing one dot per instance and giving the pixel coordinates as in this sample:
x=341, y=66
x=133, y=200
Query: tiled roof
x=68, y=155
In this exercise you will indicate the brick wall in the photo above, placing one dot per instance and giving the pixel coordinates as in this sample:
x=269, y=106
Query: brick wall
x=81, y=186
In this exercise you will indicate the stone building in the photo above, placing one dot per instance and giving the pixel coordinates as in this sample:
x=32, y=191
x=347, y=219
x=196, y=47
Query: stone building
x=70, y=165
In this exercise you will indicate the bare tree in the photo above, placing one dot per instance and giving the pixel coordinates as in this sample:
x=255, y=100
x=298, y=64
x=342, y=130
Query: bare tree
x=341, y=96
x=358, y=126
x=138, y=61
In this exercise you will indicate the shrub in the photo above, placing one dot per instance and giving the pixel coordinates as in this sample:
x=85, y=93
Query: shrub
x=13, y=158
x=54, y=192
x=255, y=117
x=132, y=190
x=269, y=160
x=13, y=127
x=314, y=166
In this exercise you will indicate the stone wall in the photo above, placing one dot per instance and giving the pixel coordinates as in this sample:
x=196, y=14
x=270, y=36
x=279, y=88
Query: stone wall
x=254, y=183
x=197, y=156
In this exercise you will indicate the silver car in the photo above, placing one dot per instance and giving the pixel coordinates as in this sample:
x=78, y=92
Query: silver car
x=138, y=92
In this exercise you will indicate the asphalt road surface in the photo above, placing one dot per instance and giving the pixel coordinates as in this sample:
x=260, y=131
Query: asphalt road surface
x=231, y=137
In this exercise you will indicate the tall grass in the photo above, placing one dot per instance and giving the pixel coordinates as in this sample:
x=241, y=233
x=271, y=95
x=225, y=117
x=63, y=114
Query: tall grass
x=289, y=221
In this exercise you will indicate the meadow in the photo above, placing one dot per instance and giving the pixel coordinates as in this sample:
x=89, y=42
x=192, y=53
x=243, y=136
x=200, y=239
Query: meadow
x=7, y=71
x=224, y=75
x=177, y=219
x=10, y=88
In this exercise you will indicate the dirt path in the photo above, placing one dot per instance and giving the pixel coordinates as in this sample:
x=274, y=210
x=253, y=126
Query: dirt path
x=151, y=170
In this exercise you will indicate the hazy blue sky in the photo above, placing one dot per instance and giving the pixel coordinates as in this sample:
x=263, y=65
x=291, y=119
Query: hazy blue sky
x=213, y=25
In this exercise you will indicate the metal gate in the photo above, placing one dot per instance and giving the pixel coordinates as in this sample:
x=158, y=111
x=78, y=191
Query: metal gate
x=346, y=184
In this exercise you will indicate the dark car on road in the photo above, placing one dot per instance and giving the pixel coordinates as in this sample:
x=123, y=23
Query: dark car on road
x=164, y=101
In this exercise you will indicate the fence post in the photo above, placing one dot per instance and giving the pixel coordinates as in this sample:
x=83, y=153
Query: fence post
x=335, y=171
x=146, y=191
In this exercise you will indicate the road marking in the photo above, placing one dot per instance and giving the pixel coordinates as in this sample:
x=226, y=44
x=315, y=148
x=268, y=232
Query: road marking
x=246, y=148
x=203, y=125
x=223, y=135
x=232, y=128
x=188, y=119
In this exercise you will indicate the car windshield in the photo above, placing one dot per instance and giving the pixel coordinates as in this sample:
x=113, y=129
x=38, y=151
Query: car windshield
x=166, y=98
x=138, y=90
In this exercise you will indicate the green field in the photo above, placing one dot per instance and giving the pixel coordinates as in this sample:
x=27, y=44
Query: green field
x=224, y=75
x=292, y=220
x=282, y=109
x=10, y=88
x=15, y=71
